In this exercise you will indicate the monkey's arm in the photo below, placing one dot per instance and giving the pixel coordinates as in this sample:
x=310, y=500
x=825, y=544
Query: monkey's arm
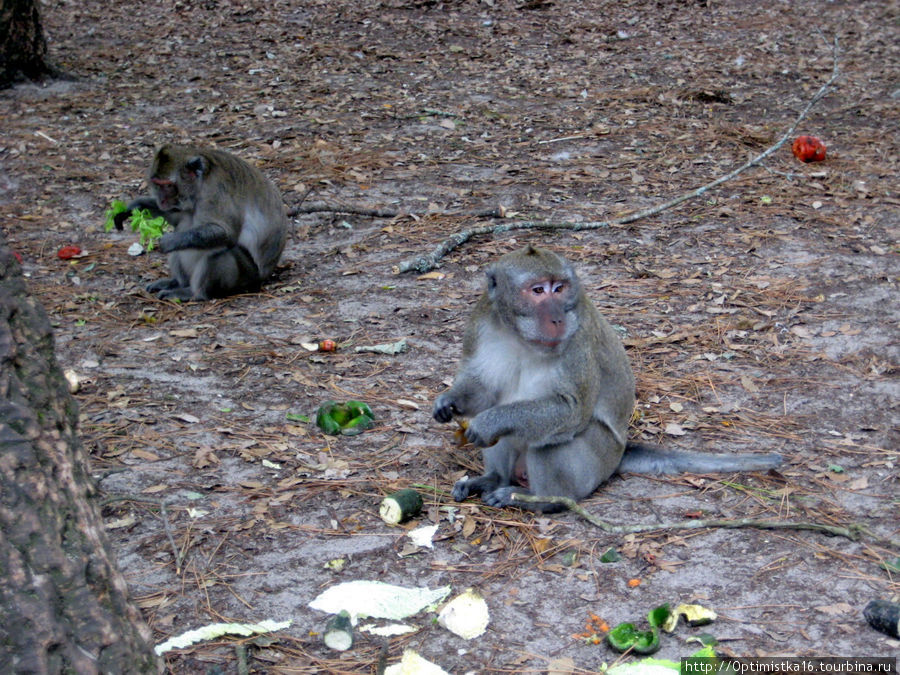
x=467, y=397
x=551, y=420
x=210, y=235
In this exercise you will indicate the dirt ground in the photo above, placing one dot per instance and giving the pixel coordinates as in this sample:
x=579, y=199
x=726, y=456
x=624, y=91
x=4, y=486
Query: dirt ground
x=760, y=317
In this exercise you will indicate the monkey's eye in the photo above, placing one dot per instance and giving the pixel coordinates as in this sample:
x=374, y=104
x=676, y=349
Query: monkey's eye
x=559, y=287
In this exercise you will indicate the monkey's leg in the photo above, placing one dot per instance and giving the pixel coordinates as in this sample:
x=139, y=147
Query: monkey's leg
x=179, y=284
x=224, y=273
x=573, y=469
x=499, y=467
x=162, y=285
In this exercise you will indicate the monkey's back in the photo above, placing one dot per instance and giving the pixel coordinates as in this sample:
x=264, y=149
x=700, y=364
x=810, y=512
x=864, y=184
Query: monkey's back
x=254, y=204
x=615, y=393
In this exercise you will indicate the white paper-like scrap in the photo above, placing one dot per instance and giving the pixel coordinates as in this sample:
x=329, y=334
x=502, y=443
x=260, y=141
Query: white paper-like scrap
x=466, y=615
x=135, y=249
x=422, y=536
x=390, y=630
x=377, y=599
x=413, y=664
x=217, y=630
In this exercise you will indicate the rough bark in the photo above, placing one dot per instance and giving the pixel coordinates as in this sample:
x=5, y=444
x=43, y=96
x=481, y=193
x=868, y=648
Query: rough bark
x=23, y=49
x=63, y=604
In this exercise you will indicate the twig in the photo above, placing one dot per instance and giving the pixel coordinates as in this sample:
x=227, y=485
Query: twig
x=853, y=532
x=355, y=210
x=384, y=213
x=429, y=261
x=164, y=516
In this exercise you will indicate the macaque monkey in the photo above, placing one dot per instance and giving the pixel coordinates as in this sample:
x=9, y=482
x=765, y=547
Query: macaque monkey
x=549, y=392
x=230, y=226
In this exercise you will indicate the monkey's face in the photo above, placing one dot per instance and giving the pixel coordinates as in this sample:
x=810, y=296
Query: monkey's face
x=544, y=312
x=166, y=193
x=175, y=177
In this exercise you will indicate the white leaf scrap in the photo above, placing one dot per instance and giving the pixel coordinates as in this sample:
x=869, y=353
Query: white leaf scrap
x=377, y=599
x=217, y=630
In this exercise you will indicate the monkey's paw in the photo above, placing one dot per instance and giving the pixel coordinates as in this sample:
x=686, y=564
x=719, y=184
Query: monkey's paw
x=461, y=490
x=501, y=496
x=444, y=409
x=480, y=432
x=166, y=243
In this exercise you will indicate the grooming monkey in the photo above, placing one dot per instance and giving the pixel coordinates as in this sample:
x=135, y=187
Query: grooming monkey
x=230, y=226
x=549, y=392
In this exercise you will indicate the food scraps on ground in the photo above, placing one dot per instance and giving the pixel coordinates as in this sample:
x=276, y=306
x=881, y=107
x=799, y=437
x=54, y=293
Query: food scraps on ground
x=808, y=149
x=338, y=633
x=377, y=599
x=400, y=506
x=349, y=419
x=466, y=615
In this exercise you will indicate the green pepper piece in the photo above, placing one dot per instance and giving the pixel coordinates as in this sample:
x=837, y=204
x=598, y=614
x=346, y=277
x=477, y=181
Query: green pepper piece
x=356, y=426
x=647, y=641
x=625, y=636
x=658, y=616
x=325, y=419
x=622, y=636
x=358, y=408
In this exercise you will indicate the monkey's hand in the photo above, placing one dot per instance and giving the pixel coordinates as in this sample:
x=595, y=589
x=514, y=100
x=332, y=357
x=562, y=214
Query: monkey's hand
x=120, y=218
x=484, y=429
x=168, y=242
x=445, y=408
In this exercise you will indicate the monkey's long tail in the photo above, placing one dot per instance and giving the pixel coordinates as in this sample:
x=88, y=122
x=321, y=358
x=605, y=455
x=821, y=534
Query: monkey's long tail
x=640, y=458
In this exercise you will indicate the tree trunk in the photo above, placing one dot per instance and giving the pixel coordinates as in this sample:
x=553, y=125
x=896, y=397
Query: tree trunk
x=63, y=604
x=23, y=49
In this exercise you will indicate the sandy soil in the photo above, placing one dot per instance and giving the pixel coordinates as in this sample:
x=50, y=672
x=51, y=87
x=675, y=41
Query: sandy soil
x=760, y=317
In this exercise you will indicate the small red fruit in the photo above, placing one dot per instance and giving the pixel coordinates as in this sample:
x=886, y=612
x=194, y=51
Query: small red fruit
x=808, y=149
x=327, y=346
x=68, y=252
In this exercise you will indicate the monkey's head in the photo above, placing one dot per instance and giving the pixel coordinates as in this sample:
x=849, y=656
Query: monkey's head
x=535, y=292
x=176, y=175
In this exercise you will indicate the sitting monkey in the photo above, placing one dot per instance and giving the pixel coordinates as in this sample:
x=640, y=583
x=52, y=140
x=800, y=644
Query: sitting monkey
x=549, y=391
x=230, y=226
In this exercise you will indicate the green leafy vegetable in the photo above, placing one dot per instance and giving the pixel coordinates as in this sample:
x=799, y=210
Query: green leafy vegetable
x=149, y=228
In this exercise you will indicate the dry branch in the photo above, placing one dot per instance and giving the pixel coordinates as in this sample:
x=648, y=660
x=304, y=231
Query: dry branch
x=429, y=261
x=852, y=532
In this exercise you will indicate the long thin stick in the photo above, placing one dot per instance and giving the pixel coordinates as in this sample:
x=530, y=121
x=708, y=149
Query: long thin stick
x=429, y=261
x=853, y=532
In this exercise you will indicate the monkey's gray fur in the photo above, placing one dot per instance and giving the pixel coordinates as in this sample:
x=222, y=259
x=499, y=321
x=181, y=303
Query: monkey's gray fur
x=229, y=220
x=549, y=392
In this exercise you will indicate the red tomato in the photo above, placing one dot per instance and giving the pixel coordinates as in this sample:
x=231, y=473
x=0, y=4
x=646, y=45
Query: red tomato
x=68, y=252
x=808, y=149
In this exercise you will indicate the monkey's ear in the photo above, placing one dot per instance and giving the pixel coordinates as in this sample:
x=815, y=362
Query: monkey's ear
x=197, y=165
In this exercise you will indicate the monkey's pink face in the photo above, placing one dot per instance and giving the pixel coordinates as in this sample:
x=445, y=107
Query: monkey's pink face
x=166, y=192
x=545, y=321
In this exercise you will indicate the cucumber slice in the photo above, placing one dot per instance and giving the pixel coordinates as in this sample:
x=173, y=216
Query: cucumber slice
x=400, y=506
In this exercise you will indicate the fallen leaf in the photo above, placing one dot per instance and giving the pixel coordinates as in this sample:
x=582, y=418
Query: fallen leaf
x=674, y=429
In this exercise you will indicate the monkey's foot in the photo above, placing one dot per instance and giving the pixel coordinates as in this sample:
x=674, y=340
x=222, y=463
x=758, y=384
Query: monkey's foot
x=502, y=496
x=474, y=486
x=461, y=490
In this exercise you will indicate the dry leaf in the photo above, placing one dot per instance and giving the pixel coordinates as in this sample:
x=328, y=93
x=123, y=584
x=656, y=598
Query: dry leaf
x=674, y=429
